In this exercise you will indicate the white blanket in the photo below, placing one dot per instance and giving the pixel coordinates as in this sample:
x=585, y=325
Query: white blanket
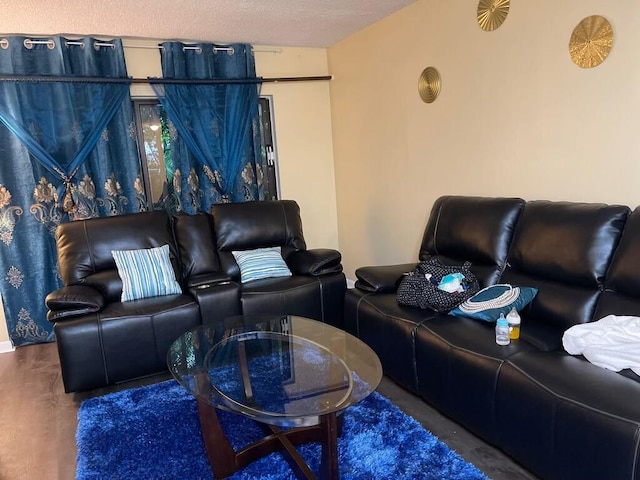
x=612, y=342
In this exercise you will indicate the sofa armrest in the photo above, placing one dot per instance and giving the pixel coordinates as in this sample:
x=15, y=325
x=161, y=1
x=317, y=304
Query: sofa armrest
x=382, y=279
x=315, y=262
x=206, y=279
x=72, y=301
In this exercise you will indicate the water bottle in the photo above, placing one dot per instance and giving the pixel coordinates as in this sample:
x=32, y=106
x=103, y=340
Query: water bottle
x=502, y=331
x=513, y=318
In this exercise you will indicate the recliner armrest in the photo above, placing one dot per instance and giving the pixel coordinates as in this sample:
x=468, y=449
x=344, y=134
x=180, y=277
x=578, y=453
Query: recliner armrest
x=382, y=279
x=206, y=279
x=315, y=262
x=72, y=301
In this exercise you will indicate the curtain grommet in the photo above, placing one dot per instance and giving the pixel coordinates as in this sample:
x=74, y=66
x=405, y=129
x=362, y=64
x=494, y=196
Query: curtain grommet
x=230, y=51
x=98, y=45
x=4, y=43
x=28, y=43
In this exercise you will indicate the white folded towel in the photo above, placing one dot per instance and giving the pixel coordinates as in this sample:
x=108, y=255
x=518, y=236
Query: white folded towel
x=613, y=342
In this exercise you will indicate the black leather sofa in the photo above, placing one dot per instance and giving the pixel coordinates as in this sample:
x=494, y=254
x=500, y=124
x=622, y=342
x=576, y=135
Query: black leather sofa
x=556, y=414
x=103, y=341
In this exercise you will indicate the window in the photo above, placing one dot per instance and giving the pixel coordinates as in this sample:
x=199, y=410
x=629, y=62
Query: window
x=268, y=140
x=154, y=143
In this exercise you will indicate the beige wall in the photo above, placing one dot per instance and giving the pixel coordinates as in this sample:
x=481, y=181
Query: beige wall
x=303, y=131
x=515, y=117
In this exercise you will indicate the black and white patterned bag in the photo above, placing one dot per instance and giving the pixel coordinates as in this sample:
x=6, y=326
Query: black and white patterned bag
x=419, y=288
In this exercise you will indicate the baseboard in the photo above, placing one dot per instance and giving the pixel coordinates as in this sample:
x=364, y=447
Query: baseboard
x=351, y=283
x=6, y=347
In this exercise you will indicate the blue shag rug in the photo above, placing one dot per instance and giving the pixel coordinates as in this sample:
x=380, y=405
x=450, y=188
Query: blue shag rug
x=153, y=432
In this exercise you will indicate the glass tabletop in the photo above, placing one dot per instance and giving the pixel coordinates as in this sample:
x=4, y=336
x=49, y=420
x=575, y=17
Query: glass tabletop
x=279, y=369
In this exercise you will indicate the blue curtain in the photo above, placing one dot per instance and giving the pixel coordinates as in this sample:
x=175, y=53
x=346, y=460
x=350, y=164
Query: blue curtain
x=214, y=127
x=68, y=152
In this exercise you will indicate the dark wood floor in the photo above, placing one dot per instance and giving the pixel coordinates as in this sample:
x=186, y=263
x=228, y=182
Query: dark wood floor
x=38, y=421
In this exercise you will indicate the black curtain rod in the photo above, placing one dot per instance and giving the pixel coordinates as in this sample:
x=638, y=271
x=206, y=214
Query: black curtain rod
x=69, y=79
x=47, y=78
x=230, y=80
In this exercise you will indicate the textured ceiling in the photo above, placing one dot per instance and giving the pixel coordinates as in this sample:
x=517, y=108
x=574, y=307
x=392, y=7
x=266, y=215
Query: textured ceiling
x=296, y=23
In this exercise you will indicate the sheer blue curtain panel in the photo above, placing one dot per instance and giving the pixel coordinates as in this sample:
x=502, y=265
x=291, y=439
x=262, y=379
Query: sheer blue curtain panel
x=214, y=126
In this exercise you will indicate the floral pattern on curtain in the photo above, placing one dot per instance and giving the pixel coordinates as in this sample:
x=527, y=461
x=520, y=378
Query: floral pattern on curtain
x=67, y=152
x=214, y=130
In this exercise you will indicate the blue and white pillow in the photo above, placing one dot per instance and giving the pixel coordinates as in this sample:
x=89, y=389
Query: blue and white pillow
x=261, y=263
x=490, y=302
x=146, y=273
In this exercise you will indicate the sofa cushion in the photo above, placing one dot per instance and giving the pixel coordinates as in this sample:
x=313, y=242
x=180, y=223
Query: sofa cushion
x=474, y=229
x=250, y=225
x=622, y=286
x=567, y=242
x=125, y=340
x=295, y=295
x=146, y=273
x=84, y=246
x=563, y=249
x=196, y=244
x=261, y=263
x=457, y=359
x=555, y=407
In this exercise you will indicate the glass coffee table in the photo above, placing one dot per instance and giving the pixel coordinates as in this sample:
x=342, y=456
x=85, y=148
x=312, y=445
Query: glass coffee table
x=293, y=375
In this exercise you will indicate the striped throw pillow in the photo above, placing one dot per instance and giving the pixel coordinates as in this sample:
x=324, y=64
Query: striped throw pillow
x=261, y=263
x=146, y=273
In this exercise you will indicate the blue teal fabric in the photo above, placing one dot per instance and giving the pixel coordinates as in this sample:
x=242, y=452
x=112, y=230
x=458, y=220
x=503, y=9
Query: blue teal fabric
x=215, y=136
x=154, y=432
x=146, y=272
x=261, y=263
x=522, y=297
x=68, y=152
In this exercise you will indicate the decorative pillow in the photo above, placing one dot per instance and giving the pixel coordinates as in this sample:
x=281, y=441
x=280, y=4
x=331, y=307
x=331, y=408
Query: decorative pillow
x=146, y=273
x=261, y=263
x=490, y=302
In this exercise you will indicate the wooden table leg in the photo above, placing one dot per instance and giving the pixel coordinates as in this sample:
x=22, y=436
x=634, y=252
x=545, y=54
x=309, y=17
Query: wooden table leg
x=329, y=463
x=222, y=456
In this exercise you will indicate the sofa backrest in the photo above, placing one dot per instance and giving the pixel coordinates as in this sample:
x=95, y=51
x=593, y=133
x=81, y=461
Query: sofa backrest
x=621, y=294
x=474, y=229
x=564, y=250
x=196, y=243
x=250, y=225
x=84, y=247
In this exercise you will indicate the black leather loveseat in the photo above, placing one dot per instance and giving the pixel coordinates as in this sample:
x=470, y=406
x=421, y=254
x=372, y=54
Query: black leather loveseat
x=558, y=415
x=102, y=340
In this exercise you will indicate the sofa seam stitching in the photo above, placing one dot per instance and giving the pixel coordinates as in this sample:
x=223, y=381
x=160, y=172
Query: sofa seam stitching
x=286, y=225
x=102, y=352
x=155, y=339
x=463, y=349
x=290, y=289
x=321, y=299
x=358, y=313
x=570, y=400
x=435, y=229
x=634, y=468
x=364, y=298
x=177, y=307
x=86, y=239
